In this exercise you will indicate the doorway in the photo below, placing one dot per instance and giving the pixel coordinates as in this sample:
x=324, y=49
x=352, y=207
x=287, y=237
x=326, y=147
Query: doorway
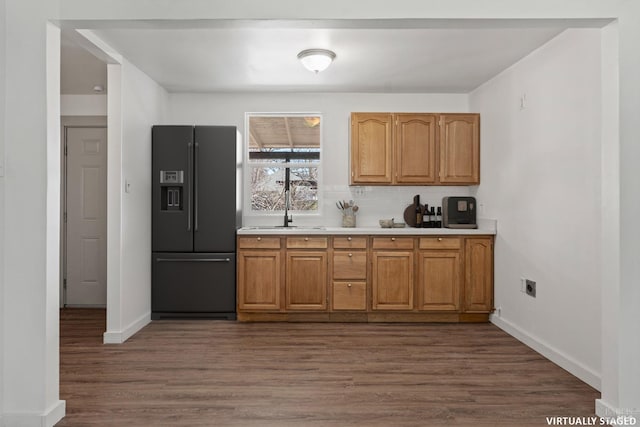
x=84, y=216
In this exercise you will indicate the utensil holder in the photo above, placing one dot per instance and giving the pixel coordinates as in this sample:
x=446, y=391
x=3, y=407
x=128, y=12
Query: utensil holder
x=348, y=220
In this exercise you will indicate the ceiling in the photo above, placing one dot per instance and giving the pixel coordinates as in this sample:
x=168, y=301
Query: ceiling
x=453, y=58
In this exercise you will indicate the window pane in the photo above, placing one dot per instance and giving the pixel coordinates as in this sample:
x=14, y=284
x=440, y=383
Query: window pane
x=267, y=188
x=304, y=189
x=283, y=137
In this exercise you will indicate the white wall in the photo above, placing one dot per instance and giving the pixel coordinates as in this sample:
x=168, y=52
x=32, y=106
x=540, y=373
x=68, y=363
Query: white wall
x=2, y=238
x=541, y=178
x=31, y=216
x=142, y=105
x=377, y=202
x=627, y=307
x=83, y=105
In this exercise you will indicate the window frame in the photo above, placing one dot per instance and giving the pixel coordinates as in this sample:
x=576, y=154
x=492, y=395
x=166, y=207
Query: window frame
x=249, y=164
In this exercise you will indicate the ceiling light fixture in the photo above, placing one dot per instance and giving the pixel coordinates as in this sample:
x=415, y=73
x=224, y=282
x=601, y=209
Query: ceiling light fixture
x=316, y=60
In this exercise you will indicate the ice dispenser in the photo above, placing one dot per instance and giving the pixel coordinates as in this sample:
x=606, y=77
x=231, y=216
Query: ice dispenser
x=172, y=187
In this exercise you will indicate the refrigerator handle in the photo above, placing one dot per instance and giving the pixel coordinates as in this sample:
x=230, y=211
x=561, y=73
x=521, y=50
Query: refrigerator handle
x=195, y=187
x=189, y=160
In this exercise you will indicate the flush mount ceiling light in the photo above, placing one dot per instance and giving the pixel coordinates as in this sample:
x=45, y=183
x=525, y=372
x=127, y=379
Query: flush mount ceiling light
x=316, y=60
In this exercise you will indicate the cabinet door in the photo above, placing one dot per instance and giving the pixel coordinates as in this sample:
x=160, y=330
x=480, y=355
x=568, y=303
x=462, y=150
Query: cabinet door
x=439, y=274
x=415, y=145
x=306, y=280
x=371, y=144
x=478, y=286
x=392, y=284
x=349, y=265
x=349, y=295
x=459, y=146
x=259, y=280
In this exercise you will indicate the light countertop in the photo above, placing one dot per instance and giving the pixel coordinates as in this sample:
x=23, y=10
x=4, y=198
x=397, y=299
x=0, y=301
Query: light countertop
x=409, y=231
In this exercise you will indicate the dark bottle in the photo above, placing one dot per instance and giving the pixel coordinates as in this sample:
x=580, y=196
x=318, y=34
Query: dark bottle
x=418, y=211
x=432, y=217
x=439, y=217
x=425, y=216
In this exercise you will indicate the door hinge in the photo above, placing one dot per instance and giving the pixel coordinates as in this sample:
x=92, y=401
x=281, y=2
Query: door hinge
x=66, y=150
x=64, y=283
x=65, y=217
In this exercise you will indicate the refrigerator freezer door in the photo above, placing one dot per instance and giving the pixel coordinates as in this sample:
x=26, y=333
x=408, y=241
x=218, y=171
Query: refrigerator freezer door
x=193, y=285
x=215, y=189
x=172, y=189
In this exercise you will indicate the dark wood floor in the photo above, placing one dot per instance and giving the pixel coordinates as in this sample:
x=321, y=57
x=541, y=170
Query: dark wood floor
x=219, y=373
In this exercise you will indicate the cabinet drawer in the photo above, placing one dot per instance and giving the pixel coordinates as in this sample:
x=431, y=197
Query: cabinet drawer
x=304, y=242
x=349, y=295
x=348, y=242
x=392, y=243
x=259, y=242
x=440, y=243
x=350, y=265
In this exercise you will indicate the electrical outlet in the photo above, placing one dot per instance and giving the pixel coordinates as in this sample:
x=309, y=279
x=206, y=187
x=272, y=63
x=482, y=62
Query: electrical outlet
x=530, y=288
x=358, y=191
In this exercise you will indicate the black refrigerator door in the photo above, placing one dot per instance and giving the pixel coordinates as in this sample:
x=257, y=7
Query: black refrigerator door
x=193, y=285
x=215, y=189
x=172, y=186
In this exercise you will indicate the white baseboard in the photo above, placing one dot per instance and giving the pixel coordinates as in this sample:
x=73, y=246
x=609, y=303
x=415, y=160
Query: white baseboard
x=561, y=359
x=604, y=410
x=118, y=337
x=54, y=414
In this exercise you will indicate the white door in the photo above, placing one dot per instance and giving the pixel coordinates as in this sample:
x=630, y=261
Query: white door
x=86, y=213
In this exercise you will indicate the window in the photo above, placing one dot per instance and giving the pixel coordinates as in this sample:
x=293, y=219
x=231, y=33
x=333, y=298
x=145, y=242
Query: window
x=283, y=154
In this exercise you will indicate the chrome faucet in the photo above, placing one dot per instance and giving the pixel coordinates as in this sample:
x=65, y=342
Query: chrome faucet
x=287, y=218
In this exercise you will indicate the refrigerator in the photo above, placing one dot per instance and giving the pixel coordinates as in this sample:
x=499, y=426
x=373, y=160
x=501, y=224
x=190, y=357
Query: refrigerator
x=195, y=215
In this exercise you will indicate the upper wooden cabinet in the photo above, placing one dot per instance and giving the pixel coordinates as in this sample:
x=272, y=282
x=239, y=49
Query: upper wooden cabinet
x=415, y=149
x=371, y=145
x=459, y=146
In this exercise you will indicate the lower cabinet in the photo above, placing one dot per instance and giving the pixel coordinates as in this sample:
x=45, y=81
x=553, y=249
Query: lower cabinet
x=392, y=280
x=259, y=280
x=365, y=278
x=306, y=280
x=349, y=296
x=439, y=279
x=478, y=283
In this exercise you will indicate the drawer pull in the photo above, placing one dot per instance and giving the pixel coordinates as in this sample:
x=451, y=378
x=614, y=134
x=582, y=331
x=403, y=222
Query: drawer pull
x=259, y=238
x=350, y=255
x=393, y=239
x=349, y=285
x=306, y=239
x=349, y=238
x=439, y=239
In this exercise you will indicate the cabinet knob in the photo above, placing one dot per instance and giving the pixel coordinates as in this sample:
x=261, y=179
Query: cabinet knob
x=306, y=239
x=349, y=238
x=349, y=285
x=393, y=239
x=439, y=239
x=350, y=255
x=259, y=238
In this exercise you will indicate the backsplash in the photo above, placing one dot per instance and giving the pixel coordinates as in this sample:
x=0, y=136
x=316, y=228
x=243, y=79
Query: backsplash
x=384, y=202
x=375, y=202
